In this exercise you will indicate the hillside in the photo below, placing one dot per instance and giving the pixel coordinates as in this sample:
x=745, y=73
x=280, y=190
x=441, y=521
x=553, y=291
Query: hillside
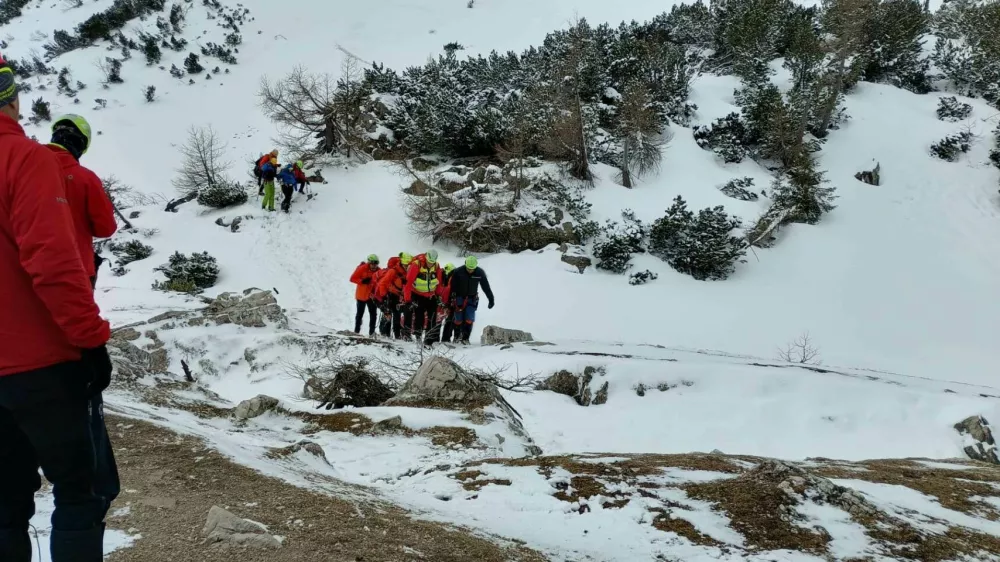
x=895, y=287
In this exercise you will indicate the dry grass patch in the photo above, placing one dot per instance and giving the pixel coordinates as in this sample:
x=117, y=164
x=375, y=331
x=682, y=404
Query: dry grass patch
x=471, y=482
x=952, y=488
x=452, y=437
x=683, y=527
x=340, y=422
x=761, y=512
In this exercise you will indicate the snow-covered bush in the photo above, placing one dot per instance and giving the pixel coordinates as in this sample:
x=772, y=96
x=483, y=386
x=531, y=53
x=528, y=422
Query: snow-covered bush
x=223, y=194
x=699, y=245
x=188, y=273
x=952, y=146
x=112, y=69
x=149, y=93
x=40, y=111
x=192, y=64
x=151, y=50
x=967, y=50
x=950, y=109
x=738, y=188
x=727, y=137
x=128, y=252
x=176, y=72
x=618, y=241
x=642, y=277
x=995, y=152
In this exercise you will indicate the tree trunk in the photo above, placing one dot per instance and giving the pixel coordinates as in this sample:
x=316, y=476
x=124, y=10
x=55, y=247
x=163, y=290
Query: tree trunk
x=837, y=88
x=172, y=206
x=128, y=225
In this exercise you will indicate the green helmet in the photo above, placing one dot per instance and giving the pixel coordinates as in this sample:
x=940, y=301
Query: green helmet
x=372, y=258
x=432, y=256
x=471, y=262
x=405, y=258
x=299, y=164
x=449, y=267
x=77, y=121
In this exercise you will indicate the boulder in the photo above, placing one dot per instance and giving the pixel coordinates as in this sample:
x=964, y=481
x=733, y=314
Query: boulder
x=441, y=380
x=389, y=425
x=255, y=407
x=799, y=485
x=494, y=335
x=577, y=387
x=305, y=445
x=980, y=444
x=250, y=310
x=132, y=363
x=422, y=164
x=224, y=527
x=581, y=263
x=417, y=188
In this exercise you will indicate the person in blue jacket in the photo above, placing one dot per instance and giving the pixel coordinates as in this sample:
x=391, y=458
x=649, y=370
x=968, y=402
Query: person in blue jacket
x=287, y=178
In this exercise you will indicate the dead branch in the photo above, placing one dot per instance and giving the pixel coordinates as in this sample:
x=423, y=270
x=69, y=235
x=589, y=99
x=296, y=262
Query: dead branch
x=801, y=351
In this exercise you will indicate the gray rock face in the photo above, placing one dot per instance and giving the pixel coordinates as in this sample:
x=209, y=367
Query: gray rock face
x=494, y=335
x=389, y=425
x=442, y=380
x=983, y=447
x=577, y=387
x=798, y=484
x=252, y=310
x=255, y=407
x=224, y=527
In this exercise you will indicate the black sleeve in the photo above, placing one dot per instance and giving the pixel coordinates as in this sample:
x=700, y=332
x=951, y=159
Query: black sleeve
x=486, y=286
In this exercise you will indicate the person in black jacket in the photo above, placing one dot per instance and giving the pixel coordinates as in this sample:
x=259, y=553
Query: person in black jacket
x=449, y=322
x=464, y=293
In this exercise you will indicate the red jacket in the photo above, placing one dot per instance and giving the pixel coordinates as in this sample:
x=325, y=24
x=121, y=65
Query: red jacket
x=48, y=310
x=299, y=174
x=93, y=214
x=391, y=280
x=362, y=276
x=423, y=278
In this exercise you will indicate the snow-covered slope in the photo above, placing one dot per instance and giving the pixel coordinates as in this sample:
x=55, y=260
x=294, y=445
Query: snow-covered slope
x=897, y=286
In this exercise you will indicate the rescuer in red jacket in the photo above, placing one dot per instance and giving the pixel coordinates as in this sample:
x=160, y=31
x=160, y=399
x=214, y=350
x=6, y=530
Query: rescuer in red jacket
x=93, y=214
x=53, y=359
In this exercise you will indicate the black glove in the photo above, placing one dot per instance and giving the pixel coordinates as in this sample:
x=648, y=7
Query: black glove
x=98, y=361
x=365, y=281
x=490, y=305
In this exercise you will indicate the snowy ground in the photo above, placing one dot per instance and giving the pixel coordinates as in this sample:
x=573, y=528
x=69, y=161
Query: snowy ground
x=900, y=279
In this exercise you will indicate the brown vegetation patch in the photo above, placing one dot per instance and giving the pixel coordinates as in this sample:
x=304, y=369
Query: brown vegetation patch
x=580, y=487
x=683, y=527
x=952, y=488
x=452, y=405
x=340, y=422
x=471, y=482
x=761, y=512
x=451, y=437
x=905, y=542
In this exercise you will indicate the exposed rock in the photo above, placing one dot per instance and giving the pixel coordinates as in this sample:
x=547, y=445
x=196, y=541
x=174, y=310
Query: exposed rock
x=442, y=383
x=601, y=396
x=577, y=387
x=134, y=215
x=494, y=335
x=871, y=177
x=171, y=315
x=235, y=226
x=132, y=363
x=224, y=527
x=576, y=256
x=983, y=446
x=798, y=484
x=440, y=379
x=305, y=445
x=453, y=186
x=422, y=164
x=389, y=425
x=126, y=334
x=417, y=188
x=478, y=175
x=249, y=311
x=254, y=407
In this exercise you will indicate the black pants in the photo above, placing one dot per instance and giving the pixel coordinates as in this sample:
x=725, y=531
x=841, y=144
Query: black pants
x=47, y=421
x=362, y=305
x=425, y=318
x=286, y=196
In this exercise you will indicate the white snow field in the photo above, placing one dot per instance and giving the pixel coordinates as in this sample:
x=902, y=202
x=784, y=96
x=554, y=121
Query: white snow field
x=897, y=287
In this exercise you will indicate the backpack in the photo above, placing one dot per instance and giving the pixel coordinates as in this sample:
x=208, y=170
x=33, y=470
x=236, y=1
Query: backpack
x=260, y=163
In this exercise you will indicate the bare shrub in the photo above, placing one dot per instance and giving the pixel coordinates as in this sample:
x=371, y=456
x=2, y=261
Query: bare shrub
x=801, y=350
x=203, y=161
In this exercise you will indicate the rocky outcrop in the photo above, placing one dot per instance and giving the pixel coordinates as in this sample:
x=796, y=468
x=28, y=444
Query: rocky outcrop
x=575, y=256
x=388, y=425
x=495, y=335
x=310, y=447
x=981, y=446
x=578, y=387
x=255, y=407
x=132, y=362
x=442, y=383
x=800, y=485
x=226, y=528
x=252, y=310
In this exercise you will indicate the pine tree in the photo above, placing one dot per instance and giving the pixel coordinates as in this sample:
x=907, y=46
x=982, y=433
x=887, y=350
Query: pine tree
x=151, y=50
x=748, y=34
x=801, y=189
x=699, y=245
x=192, y=65
x=845, y=21
x=894, y=45
x=639, y=134
x=968, y=48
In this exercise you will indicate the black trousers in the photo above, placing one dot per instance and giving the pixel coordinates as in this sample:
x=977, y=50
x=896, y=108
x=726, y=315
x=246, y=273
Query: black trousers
x=362, y=305
x=425, y=318
x=47, y=421
x=286, y=196
x=449, y=327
